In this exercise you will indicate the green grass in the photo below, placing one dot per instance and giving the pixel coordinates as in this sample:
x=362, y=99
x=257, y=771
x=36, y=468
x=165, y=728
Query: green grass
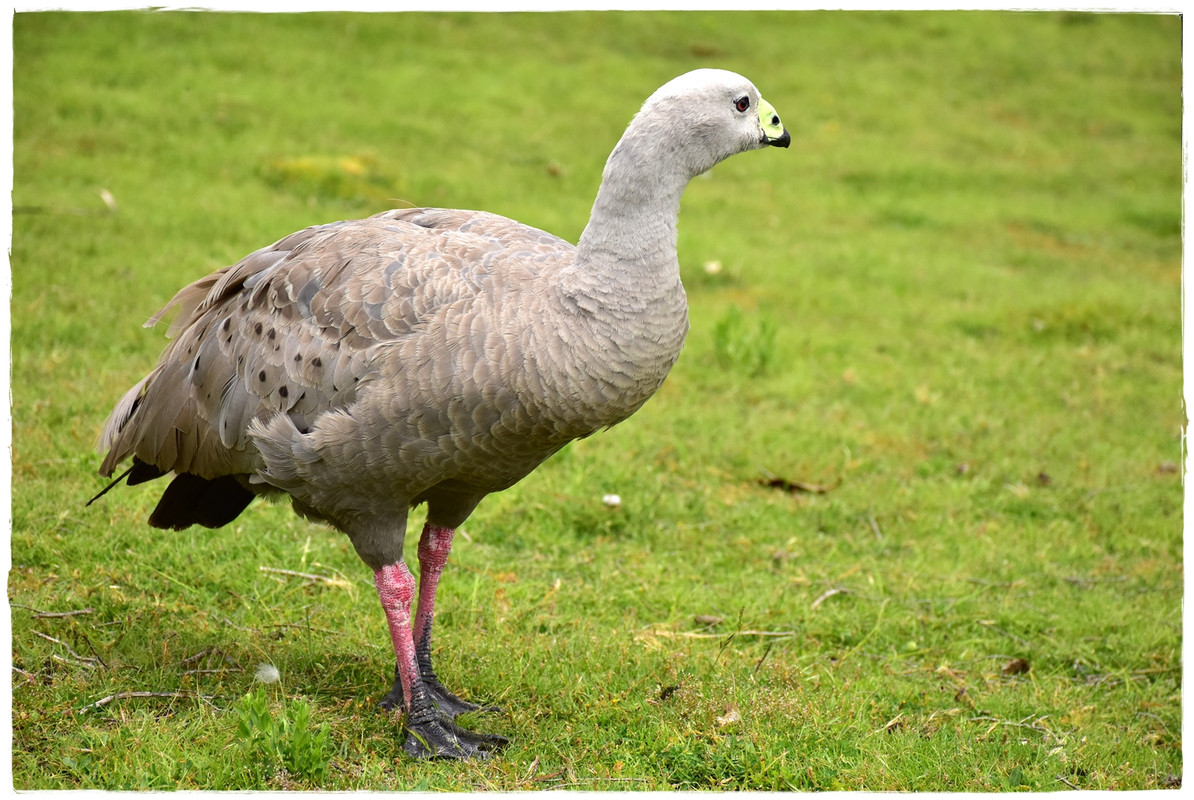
x=954, y=305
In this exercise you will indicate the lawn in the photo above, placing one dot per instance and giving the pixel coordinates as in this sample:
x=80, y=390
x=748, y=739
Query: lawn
x=906, y=515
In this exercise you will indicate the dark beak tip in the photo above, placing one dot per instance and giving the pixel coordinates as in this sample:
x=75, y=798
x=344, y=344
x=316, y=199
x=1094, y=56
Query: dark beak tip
x=782, y=141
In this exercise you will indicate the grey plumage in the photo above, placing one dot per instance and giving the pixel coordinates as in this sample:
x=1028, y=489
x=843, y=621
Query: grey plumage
x=428, y=355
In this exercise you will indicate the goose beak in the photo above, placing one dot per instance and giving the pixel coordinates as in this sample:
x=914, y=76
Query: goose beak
x=774, y=132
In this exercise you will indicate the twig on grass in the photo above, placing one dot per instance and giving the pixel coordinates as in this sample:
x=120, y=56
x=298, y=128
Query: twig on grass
x=76, y=662
x=694, y=635
x=98, y=704
x=232, y=624
x=220, y=671
x=50, y=638
x=94, y=652
x=38, y=614
x=201, y=654
x=763, y=658
x=29, y=676
x=84, y=660
x=307, y=575
x=1061, y=778
x=828, y=594
x=54, y=614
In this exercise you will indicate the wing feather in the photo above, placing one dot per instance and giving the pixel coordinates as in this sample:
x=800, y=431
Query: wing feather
x=298, y=327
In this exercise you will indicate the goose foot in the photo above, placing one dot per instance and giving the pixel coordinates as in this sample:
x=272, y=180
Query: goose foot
x=444, y=699
x=441, y=738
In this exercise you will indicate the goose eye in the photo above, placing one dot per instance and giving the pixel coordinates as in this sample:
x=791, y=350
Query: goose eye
x=742, y=103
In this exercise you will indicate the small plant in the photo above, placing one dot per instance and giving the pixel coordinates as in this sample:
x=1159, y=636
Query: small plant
x=287, y=741
x=742, y=347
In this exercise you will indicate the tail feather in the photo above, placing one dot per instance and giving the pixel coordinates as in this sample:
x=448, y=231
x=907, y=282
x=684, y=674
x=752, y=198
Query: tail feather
x=139, y=472
x=115, y=424
x=191, y=500
x=142, y=471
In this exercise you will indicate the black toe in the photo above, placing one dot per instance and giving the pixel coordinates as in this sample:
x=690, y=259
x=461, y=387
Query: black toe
x=441, y=738
x=392, y=701
x=449, y=703
x=445, y=700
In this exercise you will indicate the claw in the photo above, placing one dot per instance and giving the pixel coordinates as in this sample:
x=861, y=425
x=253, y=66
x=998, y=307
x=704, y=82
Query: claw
x=441, y=738
x=447, y=702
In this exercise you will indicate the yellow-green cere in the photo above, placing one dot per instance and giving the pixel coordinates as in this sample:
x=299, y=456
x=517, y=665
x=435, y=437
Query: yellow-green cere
x=769, y=119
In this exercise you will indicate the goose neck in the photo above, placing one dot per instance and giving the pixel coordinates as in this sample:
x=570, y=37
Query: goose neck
x=633, y=223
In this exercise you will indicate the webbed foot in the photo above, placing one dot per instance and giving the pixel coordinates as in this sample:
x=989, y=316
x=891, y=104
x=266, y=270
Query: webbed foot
x=445, y=700
x=441, y=738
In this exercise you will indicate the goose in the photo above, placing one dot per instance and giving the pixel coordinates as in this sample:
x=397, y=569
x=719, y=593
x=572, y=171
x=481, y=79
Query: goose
x=427, y=356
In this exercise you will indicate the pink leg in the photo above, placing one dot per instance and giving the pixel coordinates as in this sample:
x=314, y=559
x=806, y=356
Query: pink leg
x=431, y=732
x=434, y=546
x=396, y=588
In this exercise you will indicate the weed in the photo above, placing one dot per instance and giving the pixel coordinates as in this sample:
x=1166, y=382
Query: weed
x=270, y=742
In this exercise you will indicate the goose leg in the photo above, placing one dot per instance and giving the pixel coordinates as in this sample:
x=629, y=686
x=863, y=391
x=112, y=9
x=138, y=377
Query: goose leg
x=430, y=732
x=434, y=546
